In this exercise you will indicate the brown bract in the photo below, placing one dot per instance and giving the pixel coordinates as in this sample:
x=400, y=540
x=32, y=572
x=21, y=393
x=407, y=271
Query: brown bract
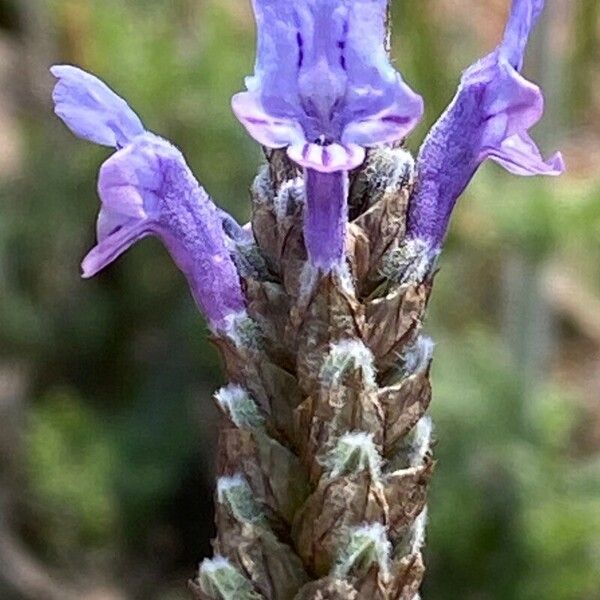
x=306, y=490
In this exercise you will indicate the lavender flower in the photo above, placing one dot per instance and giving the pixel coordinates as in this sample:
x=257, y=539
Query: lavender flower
x=325, y=452
x=324, y=89
x=489, y=117
x=146, y=188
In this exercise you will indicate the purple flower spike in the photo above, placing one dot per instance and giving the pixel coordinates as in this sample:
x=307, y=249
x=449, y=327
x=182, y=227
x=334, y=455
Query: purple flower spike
x=146, y=188
x=324, y=89
x=489, y=118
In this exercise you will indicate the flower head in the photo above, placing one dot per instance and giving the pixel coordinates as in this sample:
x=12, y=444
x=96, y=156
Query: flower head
x=489, y=117
x=323, y=84
x=146, y=188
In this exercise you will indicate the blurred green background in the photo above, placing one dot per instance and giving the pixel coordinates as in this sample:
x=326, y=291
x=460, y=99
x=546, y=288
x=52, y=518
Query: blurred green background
x=106, y=422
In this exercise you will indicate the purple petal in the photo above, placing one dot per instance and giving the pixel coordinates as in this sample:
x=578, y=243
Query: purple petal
x=380, y=106
x=510, y=103
x=91, y=110
x=147, y=188
x=489, y=118
x=129, y=203
x=522, y=19
x=329, y=158
x=112, y=245
x=323, y=77
x=268, y=130
x=519, y=155
x=391, y=124
x=129, y=179
x=326, y=218
x=278, y=55
x=365, y=49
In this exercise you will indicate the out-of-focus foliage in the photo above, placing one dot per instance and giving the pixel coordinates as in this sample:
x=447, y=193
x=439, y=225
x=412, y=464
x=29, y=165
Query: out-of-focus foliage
x=529, y=524
x=70, y=468
x=118, y=427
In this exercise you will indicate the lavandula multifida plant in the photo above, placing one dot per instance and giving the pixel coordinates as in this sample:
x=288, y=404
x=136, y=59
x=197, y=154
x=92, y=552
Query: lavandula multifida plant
x=324, y=454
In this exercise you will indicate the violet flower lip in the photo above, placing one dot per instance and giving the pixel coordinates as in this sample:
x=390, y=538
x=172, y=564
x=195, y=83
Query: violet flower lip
x=489, y=117
x=146, y=188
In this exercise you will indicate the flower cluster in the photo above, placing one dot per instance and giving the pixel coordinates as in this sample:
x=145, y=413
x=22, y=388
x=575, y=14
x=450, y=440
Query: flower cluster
x=324, y=89
x=333, y=94
x=337, y=93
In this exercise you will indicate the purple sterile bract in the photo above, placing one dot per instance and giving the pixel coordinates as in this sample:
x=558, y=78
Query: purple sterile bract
x=489, y=117
x=323, y=84
x=146, y=188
